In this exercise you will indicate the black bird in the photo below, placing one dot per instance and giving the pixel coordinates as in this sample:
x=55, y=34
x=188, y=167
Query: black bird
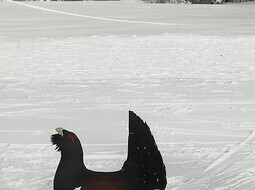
x=143, y=170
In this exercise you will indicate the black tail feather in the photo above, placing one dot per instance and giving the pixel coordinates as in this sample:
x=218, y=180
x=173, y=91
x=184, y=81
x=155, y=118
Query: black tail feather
x=143, y=153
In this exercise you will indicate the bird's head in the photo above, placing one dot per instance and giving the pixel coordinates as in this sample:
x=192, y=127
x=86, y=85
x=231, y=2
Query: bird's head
x=66, y=142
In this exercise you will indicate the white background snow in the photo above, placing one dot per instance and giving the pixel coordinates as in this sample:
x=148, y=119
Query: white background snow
x=188, y=70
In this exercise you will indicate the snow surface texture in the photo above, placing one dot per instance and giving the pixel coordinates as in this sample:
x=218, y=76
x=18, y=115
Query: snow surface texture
x=195, y=90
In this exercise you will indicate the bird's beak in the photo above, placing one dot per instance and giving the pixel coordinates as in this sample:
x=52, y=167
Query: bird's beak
x=60, y=131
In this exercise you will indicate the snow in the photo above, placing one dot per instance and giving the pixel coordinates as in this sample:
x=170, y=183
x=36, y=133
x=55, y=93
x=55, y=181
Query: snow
x=229, y=153
x=192, y=81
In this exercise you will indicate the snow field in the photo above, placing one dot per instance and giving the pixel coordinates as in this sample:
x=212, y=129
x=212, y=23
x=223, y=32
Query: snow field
x=193, y=82
x=195, y=91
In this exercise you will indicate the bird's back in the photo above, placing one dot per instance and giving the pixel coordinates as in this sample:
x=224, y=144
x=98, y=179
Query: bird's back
x=104, y=181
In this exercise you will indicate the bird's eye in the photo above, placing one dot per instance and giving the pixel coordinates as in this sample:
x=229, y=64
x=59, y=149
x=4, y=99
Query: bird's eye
x=71, y=138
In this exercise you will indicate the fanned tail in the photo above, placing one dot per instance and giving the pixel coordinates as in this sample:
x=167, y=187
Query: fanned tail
x=144, y=161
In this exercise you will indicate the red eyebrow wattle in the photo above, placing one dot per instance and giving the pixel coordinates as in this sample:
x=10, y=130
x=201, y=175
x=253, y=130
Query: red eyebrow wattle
x=71, y=138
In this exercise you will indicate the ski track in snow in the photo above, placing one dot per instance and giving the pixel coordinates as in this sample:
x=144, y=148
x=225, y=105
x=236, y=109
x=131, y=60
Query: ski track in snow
x=91, y=17
x=228, y=154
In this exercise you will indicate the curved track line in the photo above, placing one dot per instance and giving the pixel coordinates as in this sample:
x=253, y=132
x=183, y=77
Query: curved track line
x=213, y=173
x=228, y=154
x=91, y=17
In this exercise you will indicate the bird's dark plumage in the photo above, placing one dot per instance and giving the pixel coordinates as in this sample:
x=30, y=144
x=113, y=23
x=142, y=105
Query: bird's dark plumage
x=143, y=170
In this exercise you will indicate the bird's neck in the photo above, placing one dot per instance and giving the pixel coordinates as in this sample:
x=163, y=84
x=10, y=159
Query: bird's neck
x=74, y=161
x=70, y=172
